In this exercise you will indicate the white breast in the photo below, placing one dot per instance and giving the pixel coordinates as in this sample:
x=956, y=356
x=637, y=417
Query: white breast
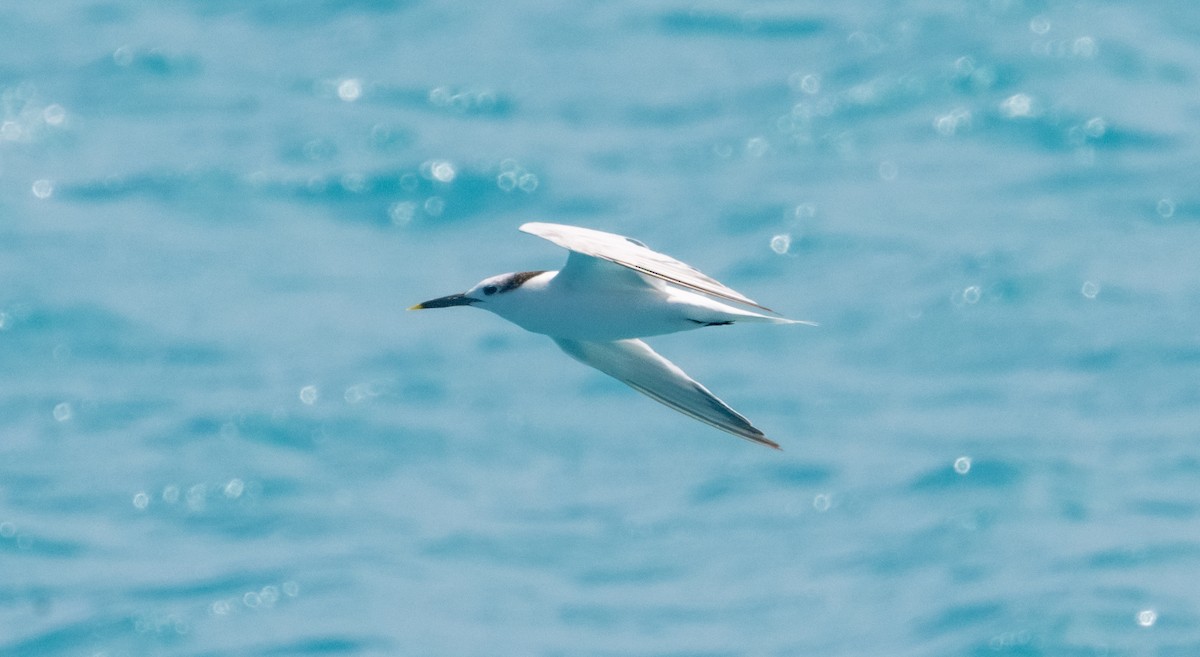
x=594, y=314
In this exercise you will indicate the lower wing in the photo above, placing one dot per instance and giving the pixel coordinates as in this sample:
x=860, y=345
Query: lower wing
x=634, y=363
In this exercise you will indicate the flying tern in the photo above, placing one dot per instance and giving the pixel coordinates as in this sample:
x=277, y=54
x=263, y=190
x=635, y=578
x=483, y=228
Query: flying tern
x=613, y=291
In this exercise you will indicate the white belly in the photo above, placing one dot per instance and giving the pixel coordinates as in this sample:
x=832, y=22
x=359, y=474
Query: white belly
x=601, y=316
x=611, y=312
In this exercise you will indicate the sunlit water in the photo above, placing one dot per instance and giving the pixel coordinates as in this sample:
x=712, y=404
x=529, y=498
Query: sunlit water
x=220, y=434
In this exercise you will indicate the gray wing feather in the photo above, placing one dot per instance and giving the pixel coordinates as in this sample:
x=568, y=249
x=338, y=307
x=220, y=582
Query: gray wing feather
x=634, y=363
x=634, y=255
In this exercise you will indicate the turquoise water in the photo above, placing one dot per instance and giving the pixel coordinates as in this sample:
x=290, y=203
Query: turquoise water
x=220, y=433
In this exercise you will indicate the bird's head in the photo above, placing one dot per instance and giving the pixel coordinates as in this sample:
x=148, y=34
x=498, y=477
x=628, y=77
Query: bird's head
x=492, y=291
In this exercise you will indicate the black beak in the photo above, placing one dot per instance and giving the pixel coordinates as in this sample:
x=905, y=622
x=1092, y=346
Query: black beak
x=446, y=302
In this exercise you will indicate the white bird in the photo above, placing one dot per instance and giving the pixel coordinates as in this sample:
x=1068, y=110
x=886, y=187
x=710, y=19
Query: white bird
x=612, y=291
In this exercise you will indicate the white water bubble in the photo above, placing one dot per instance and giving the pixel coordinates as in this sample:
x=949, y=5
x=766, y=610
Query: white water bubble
x=1147, y=617
x=1095, y=127
x=867, y=93
x=1090, y=289
x=870, y=43
x=781, y=243
x=123, y=56
x=170, y=494
x=309, y=394
x=434, y=206
x=220, y=608
x=440, y=96
x=949, y=124
x=317, y=150
x=1084, y=47
x=1165, y=208
x=485, y=100
x=822, y=502
x=54, y=114
x=442, y=171
x=1008, y=640
x=234, y=488
x=809, y=83
x=141, y=500
x=972, y=294
x=269, y=595
x=355, y=183
x=42, y=188
x=983, y=77
x=11, y=131
x=962, y=465
x=1017, y=106
x=527, y=182
x=291, y=588
x=804, y=211
x=196, y=497
x=757, y=147
x=360, y=392
x=410, y=182
x=1039, y=25
x=63, y=412
x=350, y=89
x=400, y=212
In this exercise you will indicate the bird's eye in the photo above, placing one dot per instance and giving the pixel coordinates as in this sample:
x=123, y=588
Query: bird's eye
x=489, y=290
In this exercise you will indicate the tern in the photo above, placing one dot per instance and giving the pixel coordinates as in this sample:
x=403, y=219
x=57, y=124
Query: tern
x=613, y=291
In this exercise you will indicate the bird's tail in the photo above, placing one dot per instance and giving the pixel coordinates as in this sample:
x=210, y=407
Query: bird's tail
x=771, y=319
x=710, y=312
x=730, y=314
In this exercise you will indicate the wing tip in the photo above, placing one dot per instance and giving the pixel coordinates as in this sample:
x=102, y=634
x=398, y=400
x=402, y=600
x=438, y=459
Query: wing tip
x=767, y=442
x=754, y=435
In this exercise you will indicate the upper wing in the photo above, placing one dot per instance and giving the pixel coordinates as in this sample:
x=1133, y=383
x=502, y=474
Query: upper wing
x=633, y=254
x=634, y=363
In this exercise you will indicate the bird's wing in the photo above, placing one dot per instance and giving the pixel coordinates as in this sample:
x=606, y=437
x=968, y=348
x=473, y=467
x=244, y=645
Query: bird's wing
x=630, y=253
x=634, y=363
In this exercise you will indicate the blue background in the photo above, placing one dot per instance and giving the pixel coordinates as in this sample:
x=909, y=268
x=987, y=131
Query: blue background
x=220, y=433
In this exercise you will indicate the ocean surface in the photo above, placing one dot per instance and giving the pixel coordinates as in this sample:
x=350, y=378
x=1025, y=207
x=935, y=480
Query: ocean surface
x=221, y=434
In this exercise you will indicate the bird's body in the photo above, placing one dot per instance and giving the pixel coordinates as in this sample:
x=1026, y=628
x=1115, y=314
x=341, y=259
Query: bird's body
x=612, y=291
x=552, y=305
